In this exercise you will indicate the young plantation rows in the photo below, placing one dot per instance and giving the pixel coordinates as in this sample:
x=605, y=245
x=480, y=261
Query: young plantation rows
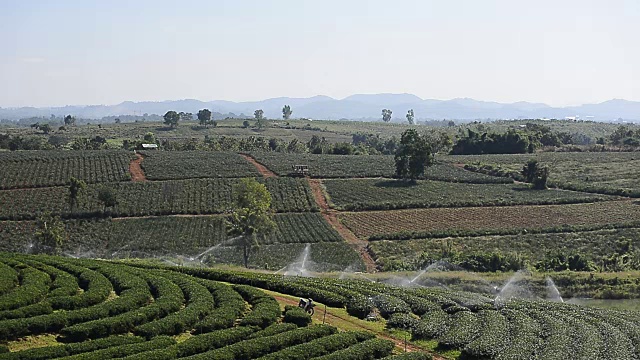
x=426, y=223
x=197, y=196
x=151, y=310
x=51, y=168
x=384, y=194
x=169, y=165
x=185, y=237
x=606, y=172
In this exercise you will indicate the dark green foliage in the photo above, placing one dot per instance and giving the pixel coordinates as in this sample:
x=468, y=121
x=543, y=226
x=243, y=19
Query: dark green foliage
x=376, y=194
x=413, y=156
x=200, y=196
x=296, y=315
x=125, y=350
x=50, y=352
x=274, y=329
x=319, y=347
x=511, y=142
x=56, y=168
x=229, y=305
x=8, y=278
x=255, y=348
x=165, y=165
x=265, y=310
x=536, y=174
x=213, y=340
x=34, y=285
x=369, y=349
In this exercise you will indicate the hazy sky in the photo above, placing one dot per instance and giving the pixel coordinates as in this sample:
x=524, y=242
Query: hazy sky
x=560, y=52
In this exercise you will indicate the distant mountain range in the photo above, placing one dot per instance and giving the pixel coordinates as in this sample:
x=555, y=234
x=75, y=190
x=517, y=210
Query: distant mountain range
x=356, y=107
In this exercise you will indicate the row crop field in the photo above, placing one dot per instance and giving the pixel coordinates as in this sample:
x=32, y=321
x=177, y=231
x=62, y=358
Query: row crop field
x=380, y=194
x=601, y=172
x=363, y=166
x=196, y=196
x=241, y=321
x=328, y=166
x=26, y=169
x=599, y=246
x=171, y=165
x=424, y=223
x=71, y=299
x=186, y=236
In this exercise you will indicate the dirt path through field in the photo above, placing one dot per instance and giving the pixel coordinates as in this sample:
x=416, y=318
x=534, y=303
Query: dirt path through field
x=263, y=170
x=336, y=320
x=137, y=174
x=331, y=216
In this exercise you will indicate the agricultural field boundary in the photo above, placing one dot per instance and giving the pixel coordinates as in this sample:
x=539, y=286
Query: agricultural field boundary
x=263, y=170
x=331, y=216
x=137, y=174
x=348, y=323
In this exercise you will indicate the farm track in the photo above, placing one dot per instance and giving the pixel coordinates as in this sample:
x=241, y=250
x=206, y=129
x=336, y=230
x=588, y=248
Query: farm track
x=331, y=216
x=263, y=170
x=137, y=174
x=335, y=320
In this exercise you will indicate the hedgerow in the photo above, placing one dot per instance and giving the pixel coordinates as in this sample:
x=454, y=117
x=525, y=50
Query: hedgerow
x=265, y=310
x=319, y=347
x=50, y=352
x=296, y=315
x=251, y=349
x=370, y=349
x=34, y=285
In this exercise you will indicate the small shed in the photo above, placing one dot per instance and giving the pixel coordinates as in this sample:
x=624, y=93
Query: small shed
x=150, y=146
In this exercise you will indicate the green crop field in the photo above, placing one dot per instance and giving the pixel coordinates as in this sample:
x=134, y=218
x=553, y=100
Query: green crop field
x=50, y=168
x=606, y=172
x=164, y=165
x=186, y=236
x=197, y=196
x=227, y=315
x=378, y=194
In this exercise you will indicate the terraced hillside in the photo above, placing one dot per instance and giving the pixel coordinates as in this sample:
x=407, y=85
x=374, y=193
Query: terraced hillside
x=86, y=309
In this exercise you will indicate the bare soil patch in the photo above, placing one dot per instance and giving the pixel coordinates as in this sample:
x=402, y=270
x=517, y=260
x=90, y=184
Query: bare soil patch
x=137, y=174
x=263, y=170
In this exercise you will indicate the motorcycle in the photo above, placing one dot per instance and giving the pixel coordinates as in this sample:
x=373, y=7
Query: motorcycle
x=307, y=307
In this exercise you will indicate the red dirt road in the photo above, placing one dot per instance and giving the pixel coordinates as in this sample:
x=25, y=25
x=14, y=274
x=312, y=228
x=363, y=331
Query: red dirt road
x=331, y=216
x=137, y=174
x=263, y=170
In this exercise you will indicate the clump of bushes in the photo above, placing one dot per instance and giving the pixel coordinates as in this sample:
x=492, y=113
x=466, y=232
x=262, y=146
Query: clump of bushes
x=296, y=315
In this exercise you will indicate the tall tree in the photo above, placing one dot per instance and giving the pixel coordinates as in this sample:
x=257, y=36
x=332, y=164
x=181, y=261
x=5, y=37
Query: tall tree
x=171, y=118
x=204, y=117
x=107, y=196
x=259, y=115
x=50, y=235
x=413, y=156
x=69, y=120
x=185, y=116
x=536, y=174
x=286, y=112
x=251, y=218
x=410, y=117
x=76, y=189
x=386, y=115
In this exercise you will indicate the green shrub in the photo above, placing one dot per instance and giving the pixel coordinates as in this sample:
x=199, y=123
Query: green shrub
x=265, y=310
x=296, y=315
x=370, y=349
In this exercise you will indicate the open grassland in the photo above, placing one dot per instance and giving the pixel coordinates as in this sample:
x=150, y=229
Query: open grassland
x=424, y=223
x=197, y=196
x=226, y=315
x=164, y=165
x=599, y=246
x=380, y=194
x=26, y=169
x=605, y=172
